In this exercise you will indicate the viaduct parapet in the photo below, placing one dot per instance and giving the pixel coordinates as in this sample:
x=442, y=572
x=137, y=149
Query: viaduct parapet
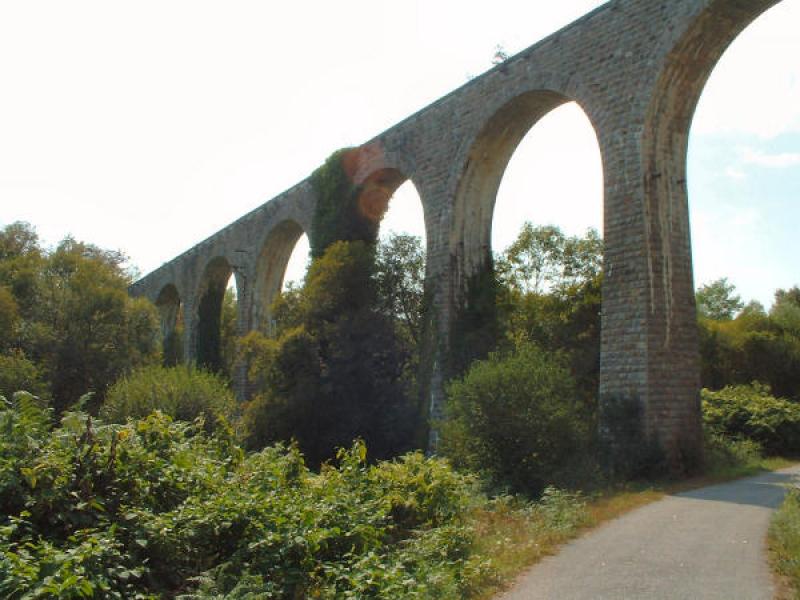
x=637, y=69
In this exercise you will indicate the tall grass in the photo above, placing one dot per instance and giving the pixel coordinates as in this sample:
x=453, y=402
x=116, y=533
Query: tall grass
x=784, y=541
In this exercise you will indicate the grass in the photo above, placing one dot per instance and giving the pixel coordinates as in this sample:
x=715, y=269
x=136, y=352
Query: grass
x=513, y=536
x=784, y=544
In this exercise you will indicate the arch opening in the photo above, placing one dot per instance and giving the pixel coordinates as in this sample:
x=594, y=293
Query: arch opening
x=280, y=245
x=484, y=168
x=297, y=265
x=535, y=152
x=554, y=178
x=743, y=160
x=743, y=180
x=213, y=317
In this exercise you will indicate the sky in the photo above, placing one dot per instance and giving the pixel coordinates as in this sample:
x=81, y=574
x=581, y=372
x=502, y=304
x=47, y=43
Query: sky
x=148, y=126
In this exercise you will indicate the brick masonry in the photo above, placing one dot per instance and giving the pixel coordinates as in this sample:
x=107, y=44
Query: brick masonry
x=637, y=68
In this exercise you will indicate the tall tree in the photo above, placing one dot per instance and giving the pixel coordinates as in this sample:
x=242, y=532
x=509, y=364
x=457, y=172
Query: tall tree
x=76, y=322
x=717, y=300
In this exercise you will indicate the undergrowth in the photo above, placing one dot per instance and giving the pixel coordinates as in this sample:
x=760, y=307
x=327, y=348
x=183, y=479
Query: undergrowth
x=155, y=508
x=784, y=541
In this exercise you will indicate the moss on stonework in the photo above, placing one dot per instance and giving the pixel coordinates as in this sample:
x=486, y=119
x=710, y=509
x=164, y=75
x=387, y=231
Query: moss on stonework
x=475, y=329
x=337, y=216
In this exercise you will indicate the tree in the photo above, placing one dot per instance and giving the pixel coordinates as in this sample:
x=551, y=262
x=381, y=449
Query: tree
x=338, y=374
x=76, y=322
x=716, y=300
x=514, y=418
x=551, y=295
x=785, y=311
x=9, y=317
x=400, y=277
x=543, y=258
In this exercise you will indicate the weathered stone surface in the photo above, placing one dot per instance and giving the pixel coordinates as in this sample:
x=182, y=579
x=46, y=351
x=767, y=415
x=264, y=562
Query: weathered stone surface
x=637, y=68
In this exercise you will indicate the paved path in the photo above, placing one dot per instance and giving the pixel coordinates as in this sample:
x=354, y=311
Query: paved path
x=707, y=543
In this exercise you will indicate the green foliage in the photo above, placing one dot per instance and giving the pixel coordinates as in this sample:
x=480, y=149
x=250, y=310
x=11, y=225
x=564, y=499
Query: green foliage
x=9, y=318
x=716, y=300
x=155, y=508
x=74, y=318
x=725, y=454
x=474, y=332
x=784, y=539
x=339, y=214
x=751, y=412
x=754, y=347
x=336, y=375
x=17, y=373
x=550, y=294
x=543, y=258
x=400, y=279
x=514, y=418
x=182, y=392
x=785, y=312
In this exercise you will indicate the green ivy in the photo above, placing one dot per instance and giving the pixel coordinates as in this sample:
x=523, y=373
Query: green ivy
x=337, y=216
x=475, y=330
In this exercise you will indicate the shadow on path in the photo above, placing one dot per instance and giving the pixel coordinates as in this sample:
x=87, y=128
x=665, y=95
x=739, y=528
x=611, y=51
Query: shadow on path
x=765, y=490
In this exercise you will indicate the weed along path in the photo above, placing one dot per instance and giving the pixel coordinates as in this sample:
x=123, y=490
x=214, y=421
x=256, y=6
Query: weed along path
x=705, y=543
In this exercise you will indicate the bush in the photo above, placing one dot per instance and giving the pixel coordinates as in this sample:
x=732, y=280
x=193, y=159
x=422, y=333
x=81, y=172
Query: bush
x=17, y=373
x=155, y=508
x=181, y=392
x=515, y=419
x=751, y=412
x=722, y=453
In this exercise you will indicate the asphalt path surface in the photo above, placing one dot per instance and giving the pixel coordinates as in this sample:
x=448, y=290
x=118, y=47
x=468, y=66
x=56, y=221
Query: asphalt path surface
x=706, y=543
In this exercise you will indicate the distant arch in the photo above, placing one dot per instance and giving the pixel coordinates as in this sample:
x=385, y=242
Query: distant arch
x=271, y=264
x=208, y=316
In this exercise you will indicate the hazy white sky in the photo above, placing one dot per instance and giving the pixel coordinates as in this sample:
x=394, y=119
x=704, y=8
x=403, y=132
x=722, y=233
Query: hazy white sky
x=148, y=126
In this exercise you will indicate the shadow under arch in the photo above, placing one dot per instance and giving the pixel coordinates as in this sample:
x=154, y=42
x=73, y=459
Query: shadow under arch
x=169, y=308
x=271, y=264
x=208, y=316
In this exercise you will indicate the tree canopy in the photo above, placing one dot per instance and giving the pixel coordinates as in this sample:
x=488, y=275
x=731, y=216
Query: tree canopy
x=67, y=310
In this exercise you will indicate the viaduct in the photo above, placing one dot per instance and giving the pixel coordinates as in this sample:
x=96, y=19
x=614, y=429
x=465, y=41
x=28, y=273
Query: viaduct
x=637, y=69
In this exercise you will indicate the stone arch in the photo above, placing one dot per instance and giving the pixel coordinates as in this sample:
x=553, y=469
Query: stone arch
x=169, y=307
x=483, y=168
x=270, y=270
x=208, y=312
x=377, y=190
x=380, y=172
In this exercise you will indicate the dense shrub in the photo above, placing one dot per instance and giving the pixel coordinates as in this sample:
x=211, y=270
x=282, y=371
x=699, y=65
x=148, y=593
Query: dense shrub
x=751, y=412
x=18, y=373
x=755, y=346
x=337, y=375
x=155, y=508
x=67, y=309
x=515, y=419
x=182, y=392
